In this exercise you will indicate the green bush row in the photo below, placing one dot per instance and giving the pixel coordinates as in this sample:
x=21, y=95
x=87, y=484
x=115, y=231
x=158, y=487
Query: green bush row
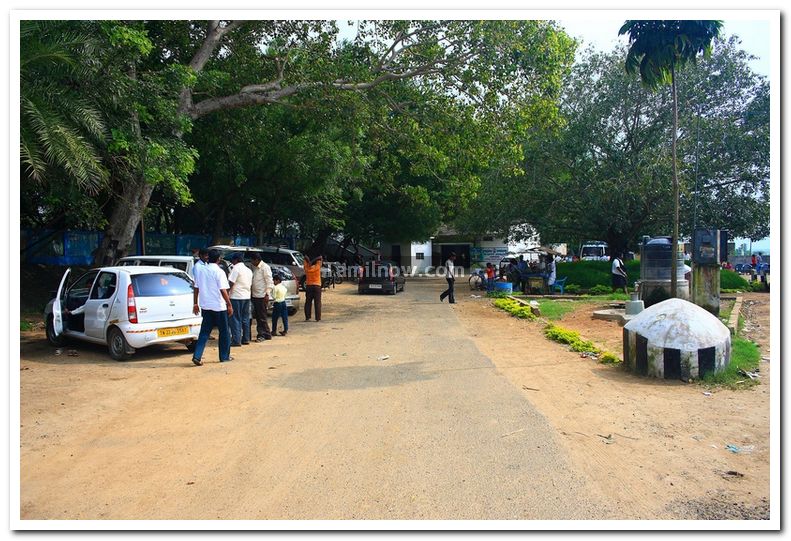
x=589, y=274
x=595, y=276
x=515, y=309
x=576, y=343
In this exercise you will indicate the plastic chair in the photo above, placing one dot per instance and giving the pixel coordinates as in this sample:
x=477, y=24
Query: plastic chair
x=560, y=285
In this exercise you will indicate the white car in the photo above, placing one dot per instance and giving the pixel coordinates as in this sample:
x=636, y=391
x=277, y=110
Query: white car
x=126, y=308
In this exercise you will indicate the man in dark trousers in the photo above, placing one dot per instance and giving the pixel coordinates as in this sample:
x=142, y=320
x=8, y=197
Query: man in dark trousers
x=451, y=278
x=312, y=286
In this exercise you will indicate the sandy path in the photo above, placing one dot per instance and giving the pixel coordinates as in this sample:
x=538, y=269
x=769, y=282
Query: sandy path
x=312, y=426
x=668, y=457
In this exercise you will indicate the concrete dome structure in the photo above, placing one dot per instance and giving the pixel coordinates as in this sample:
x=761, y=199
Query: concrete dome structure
x=676, y=339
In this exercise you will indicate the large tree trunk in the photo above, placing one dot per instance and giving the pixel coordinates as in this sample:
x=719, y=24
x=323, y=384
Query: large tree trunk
x=674, y=247
x=124, y=220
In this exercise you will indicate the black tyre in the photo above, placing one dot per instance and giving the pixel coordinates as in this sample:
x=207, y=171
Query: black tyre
x=292, y=311
x=56, y=341
x=117, y=344
x=191, y=346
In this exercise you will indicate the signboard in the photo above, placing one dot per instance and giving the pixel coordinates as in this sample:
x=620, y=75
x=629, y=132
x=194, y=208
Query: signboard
x=488, y=254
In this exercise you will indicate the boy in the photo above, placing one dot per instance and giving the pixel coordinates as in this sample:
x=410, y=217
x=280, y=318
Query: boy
x=279, y=308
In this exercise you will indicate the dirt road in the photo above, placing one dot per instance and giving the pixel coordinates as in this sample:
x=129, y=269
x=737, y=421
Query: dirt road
x=312, y=426
x=667, y=456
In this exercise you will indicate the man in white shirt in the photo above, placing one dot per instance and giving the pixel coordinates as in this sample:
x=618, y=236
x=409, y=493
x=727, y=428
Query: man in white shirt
x=618, y=272
x=261, y=292
x=451, y=278
x=241, y=280
x=212, y=301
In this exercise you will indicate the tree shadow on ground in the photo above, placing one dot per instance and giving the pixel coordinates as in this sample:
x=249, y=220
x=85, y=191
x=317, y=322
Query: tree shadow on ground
x=340, y=378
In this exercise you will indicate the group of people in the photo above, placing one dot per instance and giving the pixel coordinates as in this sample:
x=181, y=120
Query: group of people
x=520, y=271
x=225, y=300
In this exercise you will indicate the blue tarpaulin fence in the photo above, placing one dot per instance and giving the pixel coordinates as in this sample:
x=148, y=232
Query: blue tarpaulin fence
x=66, y=248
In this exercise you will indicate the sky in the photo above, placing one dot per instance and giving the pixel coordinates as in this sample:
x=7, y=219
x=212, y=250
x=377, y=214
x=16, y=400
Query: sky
x=602, y=34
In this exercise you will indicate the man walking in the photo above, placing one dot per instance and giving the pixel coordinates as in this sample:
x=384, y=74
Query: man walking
x=261, y=291
x=618, y=272
x=241, y=280
x=451, y=278
x=313, y=286
x=212, y=301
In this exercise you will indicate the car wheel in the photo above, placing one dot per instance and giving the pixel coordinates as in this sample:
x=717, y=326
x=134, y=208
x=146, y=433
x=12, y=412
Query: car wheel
x=191, y=346
x=117, y=344
x=56, y=341
x=292, y=311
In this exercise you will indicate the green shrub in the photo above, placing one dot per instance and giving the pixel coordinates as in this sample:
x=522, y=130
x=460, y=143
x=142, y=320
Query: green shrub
x=515, y=308
x=497, y=294
x=600, y=290
x=572, y=288
x=588, y=274
x=576, y=343
x=732, y=280
x=25, y=326
x=609, y=358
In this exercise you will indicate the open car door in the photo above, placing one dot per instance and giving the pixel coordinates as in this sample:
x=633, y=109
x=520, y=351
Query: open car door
x=57, y=308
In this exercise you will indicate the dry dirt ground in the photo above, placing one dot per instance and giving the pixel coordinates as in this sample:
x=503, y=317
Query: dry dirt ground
x=473, y=416
x=667, y=458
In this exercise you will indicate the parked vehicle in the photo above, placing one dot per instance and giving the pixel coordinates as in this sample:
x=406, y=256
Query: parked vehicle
x=292, y=259
x=743, y=268
x=125, y=308
x=381, y=276
x=293, y=301
x=181, y=262
x=594, y=250
x=331, y=274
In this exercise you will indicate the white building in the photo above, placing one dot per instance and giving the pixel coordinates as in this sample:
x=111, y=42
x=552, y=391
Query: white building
x=469, y=250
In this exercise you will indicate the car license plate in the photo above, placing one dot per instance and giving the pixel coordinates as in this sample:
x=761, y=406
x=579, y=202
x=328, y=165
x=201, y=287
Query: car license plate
x=374, y=286
x=172, y=331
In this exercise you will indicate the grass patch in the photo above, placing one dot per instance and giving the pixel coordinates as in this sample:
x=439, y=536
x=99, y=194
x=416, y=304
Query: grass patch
x=725, y=311
x=555, y=309
x=745, y=355
x=25, y=326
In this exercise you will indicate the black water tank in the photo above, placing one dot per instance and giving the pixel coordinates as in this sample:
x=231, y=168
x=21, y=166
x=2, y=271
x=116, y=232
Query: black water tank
x=655, y=259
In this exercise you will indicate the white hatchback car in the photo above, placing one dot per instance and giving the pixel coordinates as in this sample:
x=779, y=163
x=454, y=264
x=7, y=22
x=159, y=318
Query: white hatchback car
x=125, y=308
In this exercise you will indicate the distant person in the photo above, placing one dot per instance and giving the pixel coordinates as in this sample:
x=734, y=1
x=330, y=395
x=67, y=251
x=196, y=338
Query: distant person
x=241, y=280
x=619, y=275
x=211, y=300
x=753, y=260
x=261, y=292
x=279, y=308
x=551, y=271
x=491, y=276
x=758, y=261
x=451, y=278
x=313, y=286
